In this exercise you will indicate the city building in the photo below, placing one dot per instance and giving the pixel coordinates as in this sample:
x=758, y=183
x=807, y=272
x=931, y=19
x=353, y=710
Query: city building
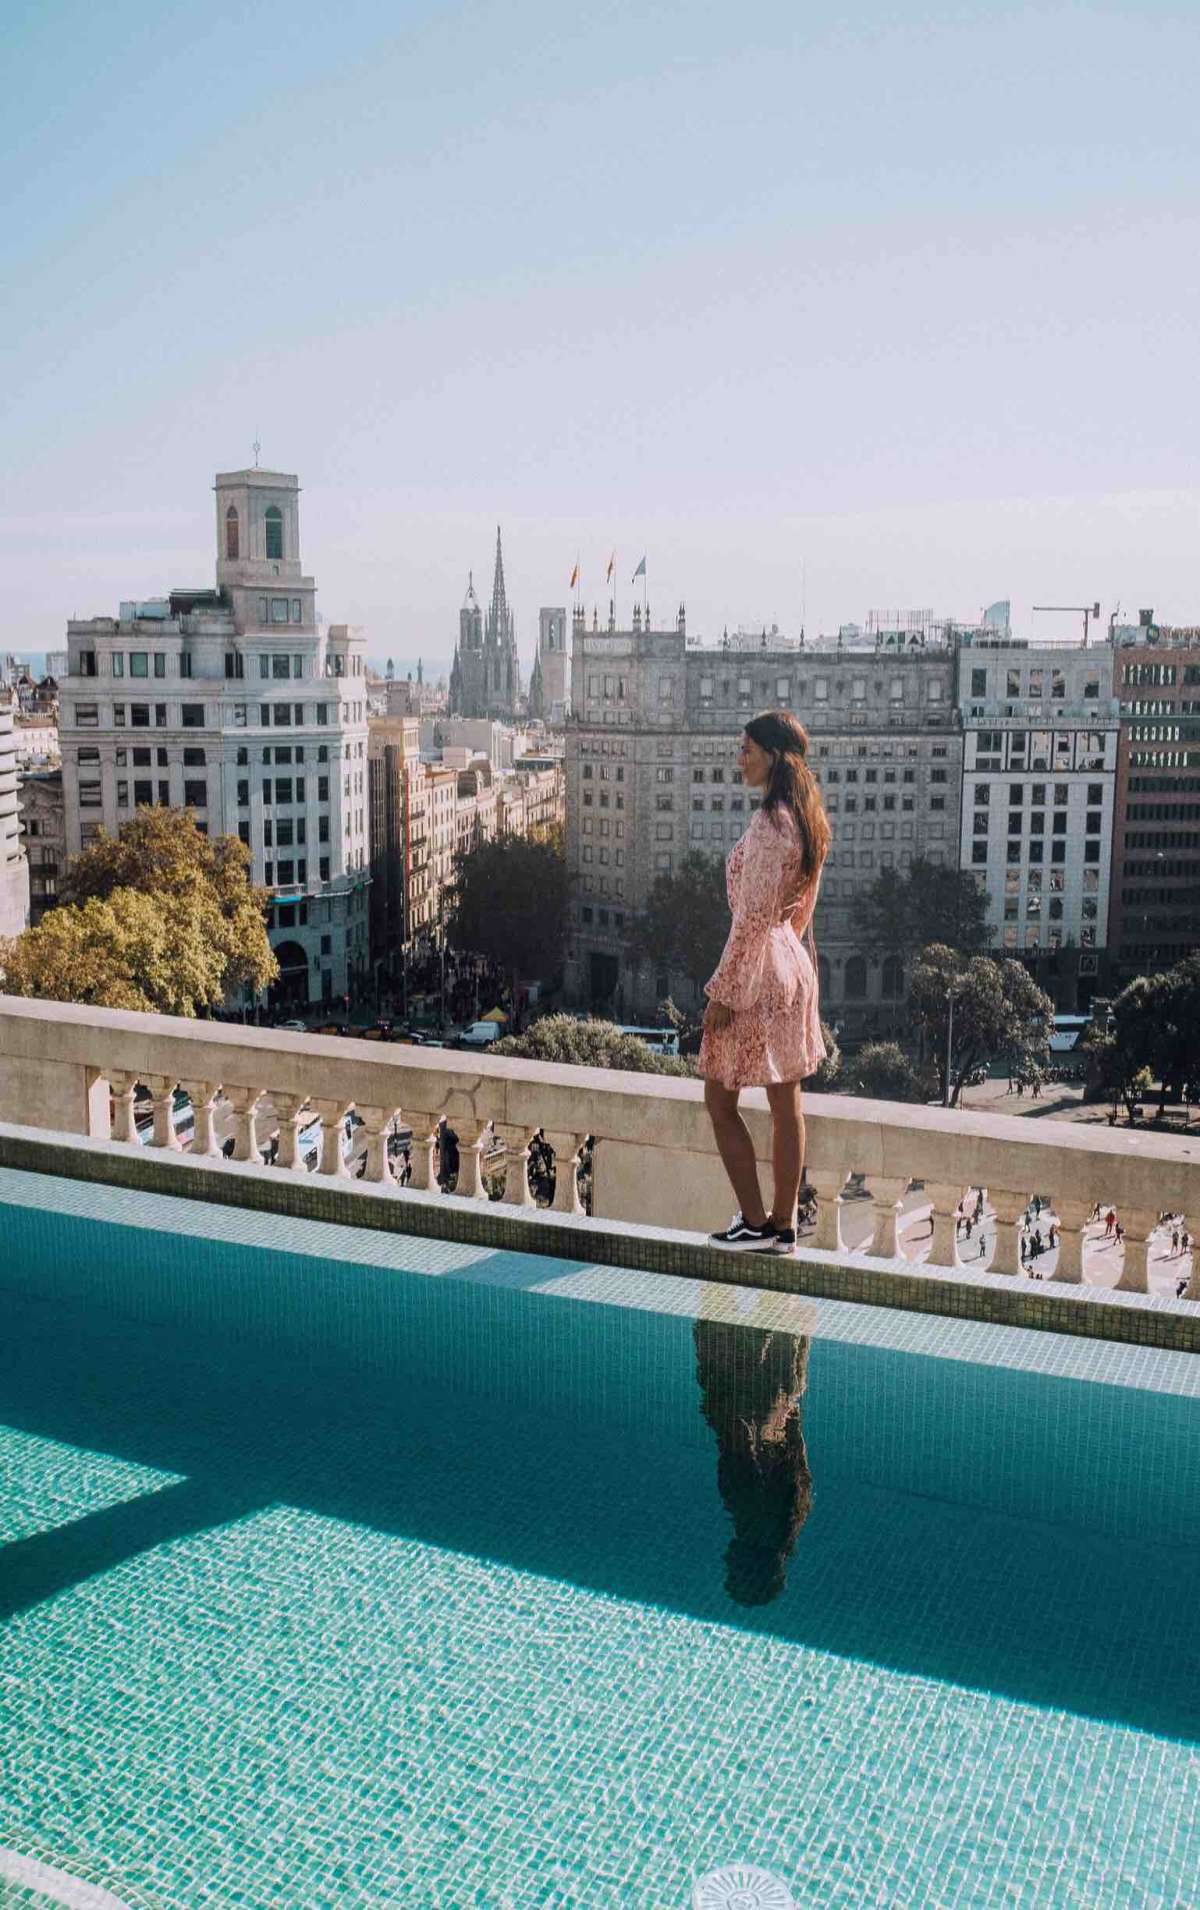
x=14, y=868
x=550, y=683
x=1154, y=900
x=400, y=880
x=36, y=741
x=485, y=679
x=1039, y=777
x=44, y=825
x=482, y=736
x=652, y=747
x=237, y=703
x=409, y=695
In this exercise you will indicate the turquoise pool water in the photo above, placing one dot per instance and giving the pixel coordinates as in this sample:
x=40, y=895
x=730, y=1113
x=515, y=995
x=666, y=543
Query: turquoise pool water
x=362, y=1571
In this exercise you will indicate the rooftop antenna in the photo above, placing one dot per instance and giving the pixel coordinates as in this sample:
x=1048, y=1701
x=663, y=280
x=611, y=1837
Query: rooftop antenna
x=256, y=447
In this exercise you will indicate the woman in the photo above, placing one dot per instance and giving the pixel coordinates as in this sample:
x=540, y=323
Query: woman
x=762, y=1027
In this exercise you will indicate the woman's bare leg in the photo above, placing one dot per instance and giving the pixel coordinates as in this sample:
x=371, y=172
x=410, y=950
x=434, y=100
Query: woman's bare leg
x=736, y=1149
x=787, y=1149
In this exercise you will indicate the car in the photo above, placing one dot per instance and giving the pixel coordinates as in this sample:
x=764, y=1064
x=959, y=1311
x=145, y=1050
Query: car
x=480, y=1034
x=294, y=1027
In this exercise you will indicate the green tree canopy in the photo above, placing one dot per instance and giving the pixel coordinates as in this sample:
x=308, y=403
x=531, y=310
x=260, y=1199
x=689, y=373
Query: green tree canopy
x=511, y=903
x=129, y=951
x=1150, y=1032
x=999, y=1012
x=158, y=919
x=906, y=910
x=686, y=919
x=588, y=1044
x=161, y=852
x=883, y=1071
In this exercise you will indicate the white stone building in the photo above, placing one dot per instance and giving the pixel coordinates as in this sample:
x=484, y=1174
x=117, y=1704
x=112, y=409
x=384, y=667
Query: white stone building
x=550, y=683
x=1040, y=728
x=237, y=703
x=14, y=869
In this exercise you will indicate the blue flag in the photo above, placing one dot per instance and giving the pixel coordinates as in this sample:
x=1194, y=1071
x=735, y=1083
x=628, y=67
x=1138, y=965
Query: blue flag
x=639, y=572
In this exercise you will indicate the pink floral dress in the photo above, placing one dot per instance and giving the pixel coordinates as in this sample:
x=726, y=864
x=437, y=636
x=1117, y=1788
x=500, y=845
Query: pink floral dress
x=766, y=974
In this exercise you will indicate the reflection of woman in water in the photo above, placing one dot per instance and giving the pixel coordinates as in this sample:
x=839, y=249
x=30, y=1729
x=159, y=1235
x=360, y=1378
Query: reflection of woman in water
x=752, y=1383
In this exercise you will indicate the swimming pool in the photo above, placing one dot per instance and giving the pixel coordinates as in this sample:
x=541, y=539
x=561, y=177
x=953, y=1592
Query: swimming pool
x=349, y=1569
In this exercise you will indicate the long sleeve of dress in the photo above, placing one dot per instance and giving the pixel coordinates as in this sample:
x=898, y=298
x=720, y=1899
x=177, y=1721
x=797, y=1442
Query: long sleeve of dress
x=738, y=978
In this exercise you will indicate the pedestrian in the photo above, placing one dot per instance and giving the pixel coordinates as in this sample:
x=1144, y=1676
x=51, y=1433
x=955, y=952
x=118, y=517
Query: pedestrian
x=1110, y=1221
x=1053, y=1242
x=1174, y=1240
x=1120, y=1236
x=1185, y=1240
x=982, y=1247
x=762, y=1026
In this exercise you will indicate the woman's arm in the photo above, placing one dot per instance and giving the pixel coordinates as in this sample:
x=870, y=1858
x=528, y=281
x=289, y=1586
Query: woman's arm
x=739, y=973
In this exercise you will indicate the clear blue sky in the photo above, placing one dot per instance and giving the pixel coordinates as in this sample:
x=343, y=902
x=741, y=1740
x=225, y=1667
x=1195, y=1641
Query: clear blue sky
x=823, y=314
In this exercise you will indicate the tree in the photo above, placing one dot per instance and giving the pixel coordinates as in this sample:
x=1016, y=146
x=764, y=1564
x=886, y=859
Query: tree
x=998, y=1011
x=1150, y=1032
x=686, y=919
x=883, y=1071
x=903, y=911
x=130, y=951
x=510, y=904
x=828, y=1077
x=200, y=880
x=588, y=1044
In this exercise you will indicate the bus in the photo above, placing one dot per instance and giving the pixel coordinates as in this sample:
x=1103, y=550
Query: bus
x=1068, y=1032
x=660, y=1040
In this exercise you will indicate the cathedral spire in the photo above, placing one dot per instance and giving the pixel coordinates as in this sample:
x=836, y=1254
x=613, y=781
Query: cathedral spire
x=499, y=601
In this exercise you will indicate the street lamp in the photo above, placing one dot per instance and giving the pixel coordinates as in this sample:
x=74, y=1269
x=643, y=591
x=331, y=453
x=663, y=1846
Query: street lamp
x=953, y=996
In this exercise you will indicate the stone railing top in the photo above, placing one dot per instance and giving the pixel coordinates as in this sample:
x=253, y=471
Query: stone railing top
x=878, y=1138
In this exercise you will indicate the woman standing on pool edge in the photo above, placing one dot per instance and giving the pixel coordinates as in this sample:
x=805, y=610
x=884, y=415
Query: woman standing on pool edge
x=762, y=1027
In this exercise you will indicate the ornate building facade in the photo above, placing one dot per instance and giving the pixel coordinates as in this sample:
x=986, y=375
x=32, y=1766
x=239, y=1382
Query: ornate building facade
x=486, y=677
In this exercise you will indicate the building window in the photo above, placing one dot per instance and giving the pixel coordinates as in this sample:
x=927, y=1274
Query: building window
x=195, y=793
x=193, y=759
x=324, y=868
x=279, y=610
x=274, y=528
x=979, y=682
x=160, y=663
x=143, y=793
x=192, y=716
x=118, y=663
x=160, y=716
x=139, y=715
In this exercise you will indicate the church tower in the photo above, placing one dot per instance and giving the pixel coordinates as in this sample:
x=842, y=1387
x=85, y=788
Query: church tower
x=486, y=676
x=258, y=549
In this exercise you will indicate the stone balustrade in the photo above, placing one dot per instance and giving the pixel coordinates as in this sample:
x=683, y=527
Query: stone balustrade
x=890, y=1180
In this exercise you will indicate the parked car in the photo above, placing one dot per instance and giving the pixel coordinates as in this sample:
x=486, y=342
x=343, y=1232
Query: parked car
x=294, y=1027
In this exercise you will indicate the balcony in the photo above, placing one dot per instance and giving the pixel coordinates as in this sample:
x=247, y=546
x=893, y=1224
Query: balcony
x=638, y=1155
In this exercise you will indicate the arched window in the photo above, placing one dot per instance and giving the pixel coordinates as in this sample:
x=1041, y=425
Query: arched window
x=856, y=978
x=231, y=531
x=274, y=523
x=893, y=978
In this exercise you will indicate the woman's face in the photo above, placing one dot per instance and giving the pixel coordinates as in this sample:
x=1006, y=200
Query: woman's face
x=754, y=763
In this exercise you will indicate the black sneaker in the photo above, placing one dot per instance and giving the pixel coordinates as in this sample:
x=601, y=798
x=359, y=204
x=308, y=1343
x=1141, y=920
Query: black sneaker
x=740, y=1233
x=783, y=1240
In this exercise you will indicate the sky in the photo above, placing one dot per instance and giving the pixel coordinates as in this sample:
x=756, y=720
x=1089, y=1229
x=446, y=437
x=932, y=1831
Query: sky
x=821, y=314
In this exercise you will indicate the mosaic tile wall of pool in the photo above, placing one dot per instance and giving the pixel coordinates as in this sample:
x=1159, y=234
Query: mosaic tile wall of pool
x=356, y=1570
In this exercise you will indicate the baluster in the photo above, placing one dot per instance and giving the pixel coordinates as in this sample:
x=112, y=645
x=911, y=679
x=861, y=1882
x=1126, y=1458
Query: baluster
x=332, y=1113
x=162, y=1099
x=424, y=1140
x=887, y=1195
x=1071, y=1218
x=203, y=1096
x=124, y=1087
x=376, y=1122
x=566, y=1170
x=472, y=1145
x=517, y=1191
x=1192, y=1289
x=944, y=1198
x=244, y=1103
x=1139, y=1224
x=291, y=1110
x=1008, y=1209
x=829, y=1183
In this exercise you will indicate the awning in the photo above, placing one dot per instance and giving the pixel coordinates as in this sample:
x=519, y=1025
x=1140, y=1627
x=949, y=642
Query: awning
x=494, y=1014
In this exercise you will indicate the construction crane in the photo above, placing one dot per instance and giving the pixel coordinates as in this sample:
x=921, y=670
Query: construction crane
x=1086, y=611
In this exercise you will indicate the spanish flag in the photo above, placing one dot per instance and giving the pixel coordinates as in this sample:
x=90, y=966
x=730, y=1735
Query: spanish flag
x=574, y=576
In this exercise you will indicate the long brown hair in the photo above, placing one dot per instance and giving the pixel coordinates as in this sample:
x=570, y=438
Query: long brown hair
x=791, y=784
